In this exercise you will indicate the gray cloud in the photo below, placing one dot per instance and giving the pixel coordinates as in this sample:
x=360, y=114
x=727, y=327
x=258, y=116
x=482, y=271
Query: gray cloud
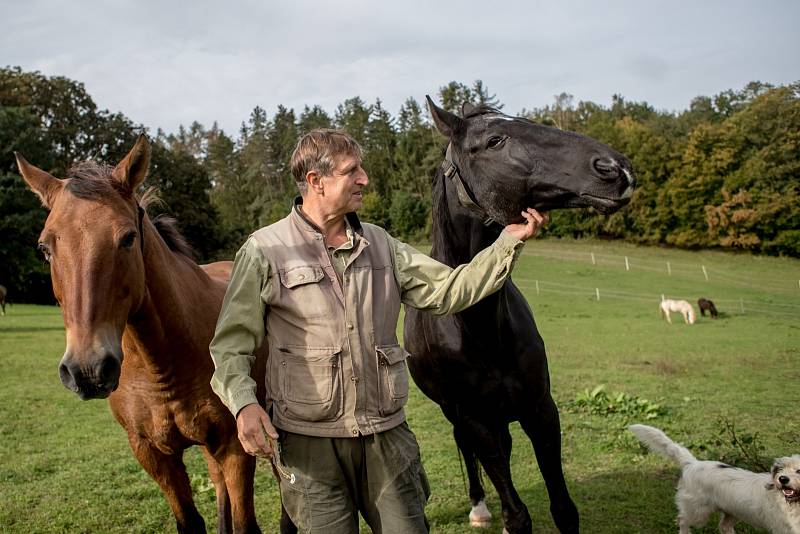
x=169, y=63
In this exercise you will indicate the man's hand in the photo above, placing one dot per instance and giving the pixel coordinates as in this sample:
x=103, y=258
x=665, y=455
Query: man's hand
x=252, y=422
x=533, y=222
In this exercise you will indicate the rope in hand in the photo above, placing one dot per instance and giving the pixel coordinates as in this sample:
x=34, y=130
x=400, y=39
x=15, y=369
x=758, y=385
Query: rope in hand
x=276, y=461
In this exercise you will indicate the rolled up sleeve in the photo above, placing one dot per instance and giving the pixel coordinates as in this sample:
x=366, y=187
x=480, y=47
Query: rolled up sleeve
x=432, y=286
x=240, y=330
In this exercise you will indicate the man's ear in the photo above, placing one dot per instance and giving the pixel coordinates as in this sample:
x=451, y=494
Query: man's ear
x=314, y=182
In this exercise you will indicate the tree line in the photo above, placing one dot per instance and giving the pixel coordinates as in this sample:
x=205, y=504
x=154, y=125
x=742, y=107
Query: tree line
x=722, y=173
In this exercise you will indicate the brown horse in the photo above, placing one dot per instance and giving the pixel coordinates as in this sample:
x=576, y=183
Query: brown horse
x=139, y=315
x=3, y=294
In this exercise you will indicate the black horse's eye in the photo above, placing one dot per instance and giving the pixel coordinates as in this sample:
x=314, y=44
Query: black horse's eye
x=495, y=141
x=127, y=240
x=45, y=250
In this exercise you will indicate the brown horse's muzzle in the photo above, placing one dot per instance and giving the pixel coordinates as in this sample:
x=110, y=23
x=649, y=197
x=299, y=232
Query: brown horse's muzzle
x=94, y=379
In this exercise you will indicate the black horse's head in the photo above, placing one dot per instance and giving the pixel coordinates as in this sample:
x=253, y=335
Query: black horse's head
x=506, y=164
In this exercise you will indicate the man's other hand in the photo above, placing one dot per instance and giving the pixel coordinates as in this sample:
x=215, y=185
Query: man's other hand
x=252, y=423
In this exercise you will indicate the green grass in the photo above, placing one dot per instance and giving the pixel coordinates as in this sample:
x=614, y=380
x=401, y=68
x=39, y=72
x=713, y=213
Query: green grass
x=66, y=467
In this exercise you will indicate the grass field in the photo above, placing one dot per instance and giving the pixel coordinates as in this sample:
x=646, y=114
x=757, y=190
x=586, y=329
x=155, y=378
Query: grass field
x=65, y=464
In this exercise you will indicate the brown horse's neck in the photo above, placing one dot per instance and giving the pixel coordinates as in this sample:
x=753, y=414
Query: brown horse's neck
x=177, y=314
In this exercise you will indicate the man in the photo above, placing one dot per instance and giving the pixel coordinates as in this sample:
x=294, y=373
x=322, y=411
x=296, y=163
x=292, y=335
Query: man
x=326, y=291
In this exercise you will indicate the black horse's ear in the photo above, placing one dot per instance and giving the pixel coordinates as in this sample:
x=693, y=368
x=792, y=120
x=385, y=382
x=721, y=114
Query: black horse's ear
x=445, y=122
x=467, y=108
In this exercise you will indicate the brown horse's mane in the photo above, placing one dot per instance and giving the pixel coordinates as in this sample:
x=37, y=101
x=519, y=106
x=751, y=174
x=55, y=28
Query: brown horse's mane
x=92, y=181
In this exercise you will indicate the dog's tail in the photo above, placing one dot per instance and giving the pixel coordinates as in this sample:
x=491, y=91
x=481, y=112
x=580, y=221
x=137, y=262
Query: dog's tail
x=658, y=442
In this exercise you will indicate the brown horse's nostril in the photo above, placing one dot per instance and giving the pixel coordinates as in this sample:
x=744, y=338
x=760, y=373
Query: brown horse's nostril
x=607, y=168
x=108, y=373
x=67, y=378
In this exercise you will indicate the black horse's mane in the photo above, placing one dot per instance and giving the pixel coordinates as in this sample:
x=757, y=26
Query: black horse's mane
x=90, y=180
x=482, y=109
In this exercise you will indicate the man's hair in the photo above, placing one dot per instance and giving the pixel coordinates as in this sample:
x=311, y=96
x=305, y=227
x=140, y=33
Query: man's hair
x=320, y=151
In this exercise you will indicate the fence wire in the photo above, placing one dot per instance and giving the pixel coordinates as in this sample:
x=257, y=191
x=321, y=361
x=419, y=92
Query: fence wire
x=669, y=268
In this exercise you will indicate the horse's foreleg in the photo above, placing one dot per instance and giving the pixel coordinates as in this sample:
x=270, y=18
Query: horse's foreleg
x=544, y=430
x=169, y=471
x=479, y=515
x=224, y=525
x=238, y=467
x=492, y=445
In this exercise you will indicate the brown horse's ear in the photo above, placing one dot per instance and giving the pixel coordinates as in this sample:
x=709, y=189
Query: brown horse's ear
x=44, y=184
x=445, y=122
x=132, y=170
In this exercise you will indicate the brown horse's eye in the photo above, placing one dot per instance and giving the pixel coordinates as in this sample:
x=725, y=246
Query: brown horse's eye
x=45, y=250
x=127, y=240
x=495, y=141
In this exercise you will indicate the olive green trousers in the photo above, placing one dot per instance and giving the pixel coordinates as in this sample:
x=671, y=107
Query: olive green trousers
x=380, y=475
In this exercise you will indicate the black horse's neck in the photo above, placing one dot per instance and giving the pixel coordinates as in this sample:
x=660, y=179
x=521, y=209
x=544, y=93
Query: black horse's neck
x=457, y=234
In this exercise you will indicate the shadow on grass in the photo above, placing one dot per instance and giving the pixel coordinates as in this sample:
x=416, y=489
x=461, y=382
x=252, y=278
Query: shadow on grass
x=627, y=502
x=28, y=329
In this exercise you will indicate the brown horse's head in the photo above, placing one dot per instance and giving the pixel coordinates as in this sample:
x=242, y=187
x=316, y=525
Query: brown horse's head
x=507, y=164
x=92, y=240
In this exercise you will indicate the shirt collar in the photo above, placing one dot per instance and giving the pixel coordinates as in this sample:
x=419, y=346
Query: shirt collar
x=351, y=219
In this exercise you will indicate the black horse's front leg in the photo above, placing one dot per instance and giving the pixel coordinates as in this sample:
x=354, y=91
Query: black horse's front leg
x=492, y=445
x=479, y=515
x=544, y=430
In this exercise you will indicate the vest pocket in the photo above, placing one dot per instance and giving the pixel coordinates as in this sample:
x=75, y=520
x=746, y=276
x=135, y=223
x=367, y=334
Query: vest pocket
x=311, y=383
x=392, y=378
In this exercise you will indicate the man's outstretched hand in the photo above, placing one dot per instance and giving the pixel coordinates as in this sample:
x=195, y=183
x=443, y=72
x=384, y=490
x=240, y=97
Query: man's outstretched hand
x=533, y=223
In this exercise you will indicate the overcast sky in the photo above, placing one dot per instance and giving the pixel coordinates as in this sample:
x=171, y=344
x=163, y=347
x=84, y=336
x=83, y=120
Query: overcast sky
x=167, y=63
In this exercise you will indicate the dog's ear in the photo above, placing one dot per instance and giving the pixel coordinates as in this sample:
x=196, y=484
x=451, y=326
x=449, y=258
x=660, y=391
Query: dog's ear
x=777, y=466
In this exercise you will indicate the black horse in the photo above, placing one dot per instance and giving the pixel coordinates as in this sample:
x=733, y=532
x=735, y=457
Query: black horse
x=707, y=305
x=486, y=366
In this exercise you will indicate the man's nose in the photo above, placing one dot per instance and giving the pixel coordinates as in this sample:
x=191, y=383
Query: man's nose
x=362, y=179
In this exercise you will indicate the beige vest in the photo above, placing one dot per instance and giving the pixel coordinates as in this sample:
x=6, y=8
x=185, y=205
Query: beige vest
x=335, y=367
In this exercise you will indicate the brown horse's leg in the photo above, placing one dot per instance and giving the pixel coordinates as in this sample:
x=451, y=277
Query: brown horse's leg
x=169, y=471
x=239, y=469
x=224, y=525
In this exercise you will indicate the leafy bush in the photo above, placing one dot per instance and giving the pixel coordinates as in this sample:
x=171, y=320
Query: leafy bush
x=735, y=447
x=598, y=402
x=407, y=215
x=374, y=210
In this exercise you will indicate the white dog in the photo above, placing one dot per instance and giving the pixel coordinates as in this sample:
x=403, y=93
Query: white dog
x=765, y=500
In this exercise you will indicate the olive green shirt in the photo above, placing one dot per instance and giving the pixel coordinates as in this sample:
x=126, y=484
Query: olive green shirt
x=426, y=284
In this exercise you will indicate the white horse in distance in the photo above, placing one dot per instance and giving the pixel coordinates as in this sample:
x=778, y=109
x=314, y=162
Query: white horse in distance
x=680, y=306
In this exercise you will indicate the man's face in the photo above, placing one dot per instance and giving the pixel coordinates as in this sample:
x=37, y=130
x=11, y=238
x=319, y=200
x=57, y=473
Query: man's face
x=343, y=188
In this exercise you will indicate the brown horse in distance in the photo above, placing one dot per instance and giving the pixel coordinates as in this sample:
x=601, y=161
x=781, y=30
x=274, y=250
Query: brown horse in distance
x=139, y=315
x=3, y=293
